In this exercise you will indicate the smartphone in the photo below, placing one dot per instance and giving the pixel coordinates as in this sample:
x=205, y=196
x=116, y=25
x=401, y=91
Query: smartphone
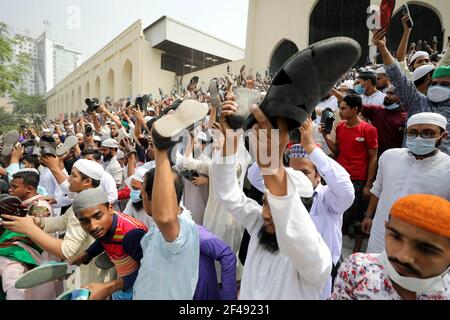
x=405, y=12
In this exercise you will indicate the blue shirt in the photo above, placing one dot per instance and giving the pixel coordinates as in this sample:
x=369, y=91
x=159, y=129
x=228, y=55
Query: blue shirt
x=169, y=270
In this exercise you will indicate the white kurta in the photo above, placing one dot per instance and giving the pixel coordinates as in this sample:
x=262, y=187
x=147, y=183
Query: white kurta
x=400, y=174
x=376, y=99
x=303, y=264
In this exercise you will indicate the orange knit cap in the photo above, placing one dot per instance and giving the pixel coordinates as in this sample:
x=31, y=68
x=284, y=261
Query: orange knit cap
x=431, y=213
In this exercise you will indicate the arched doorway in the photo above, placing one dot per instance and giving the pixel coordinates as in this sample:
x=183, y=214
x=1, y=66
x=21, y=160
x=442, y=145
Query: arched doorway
x=336, y=18
x=79, y=100
x=127, y=79
x=110, y=84
x=427, y=24
x=284, y=50
x=97, y=88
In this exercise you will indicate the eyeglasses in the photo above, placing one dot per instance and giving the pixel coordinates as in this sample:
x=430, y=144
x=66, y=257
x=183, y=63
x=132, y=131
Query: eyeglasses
x=425, y=134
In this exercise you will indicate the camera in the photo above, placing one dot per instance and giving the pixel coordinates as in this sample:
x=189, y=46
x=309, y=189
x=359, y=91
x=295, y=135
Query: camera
x=327, y=119
x=88, y=130
x=92, y=105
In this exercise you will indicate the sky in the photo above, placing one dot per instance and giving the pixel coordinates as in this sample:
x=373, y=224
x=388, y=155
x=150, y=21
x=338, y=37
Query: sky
x=88, y=25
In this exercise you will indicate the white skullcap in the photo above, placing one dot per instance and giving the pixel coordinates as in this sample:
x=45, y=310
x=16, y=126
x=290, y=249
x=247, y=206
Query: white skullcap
x=89, y=198
x=380, y=71
x=90, y=168
x=80, y=135
x=110, y=143
x=120, y=155
x=350, y=84
x=149, y=165
x=29, y=170
x=55, y=136
x=418, y=54
x=139, y=173
x=46, y=131
x=302, y=183
x=97, y=138
x=428, y=118
x=421, y=71
x=151, y=109
x=148, y=118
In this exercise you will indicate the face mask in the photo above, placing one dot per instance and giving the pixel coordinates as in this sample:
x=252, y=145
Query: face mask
x=418, y=285
x=135, y=195
x=392, y=106
x=420, y=146
x=438, y=93
x=359, y=89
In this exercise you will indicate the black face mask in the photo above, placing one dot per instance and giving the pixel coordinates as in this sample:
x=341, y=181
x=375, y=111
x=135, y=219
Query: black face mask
x=138, y=206
x=268, y=241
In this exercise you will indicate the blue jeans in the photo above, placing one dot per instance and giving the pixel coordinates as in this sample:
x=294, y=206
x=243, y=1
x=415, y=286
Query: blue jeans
x=123, y=294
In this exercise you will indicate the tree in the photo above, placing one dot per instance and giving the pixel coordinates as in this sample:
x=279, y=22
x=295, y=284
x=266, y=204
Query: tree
x=13, y=65
x=29, y=108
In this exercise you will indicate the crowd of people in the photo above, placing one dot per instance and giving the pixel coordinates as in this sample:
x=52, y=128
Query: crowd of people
x=145, y=215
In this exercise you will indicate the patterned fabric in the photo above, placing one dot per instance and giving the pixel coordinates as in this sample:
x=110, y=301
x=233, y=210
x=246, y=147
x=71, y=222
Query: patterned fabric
x=363, y=277
x=124, y=263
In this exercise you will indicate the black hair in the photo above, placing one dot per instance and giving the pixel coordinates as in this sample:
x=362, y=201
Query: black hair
x=48, y=139
x=178, y=182
x=422, y=80
x=353, y=101
x=33, y=159
x=95, y=153
x=95, y=183
x=368, y=76
x=29, y=178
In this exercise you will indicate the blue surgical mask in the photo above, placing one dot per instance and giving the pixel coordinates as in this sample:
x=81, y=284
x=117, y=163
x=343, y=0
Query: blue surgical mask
x=359, y=89
x=420, y=146
x=135, y=196
x=393, y=106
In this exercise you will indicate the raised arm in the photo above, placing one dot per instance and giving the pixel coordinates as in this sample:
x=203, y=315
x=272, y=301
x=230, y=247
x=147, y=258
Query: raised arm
x=403, y=46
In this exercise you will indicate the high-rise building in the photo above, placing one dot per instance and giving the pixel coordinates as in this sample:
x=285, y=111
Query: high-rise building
x=28, y=46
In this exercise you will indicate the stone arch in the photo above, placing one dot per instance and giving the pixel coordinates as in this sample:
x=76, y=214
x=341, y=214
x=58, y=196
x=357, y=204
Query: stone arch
x=87, y=90
x=110, y=83
x=79, y=99
x=127, y=79
x=281, y=53
x=97, y=88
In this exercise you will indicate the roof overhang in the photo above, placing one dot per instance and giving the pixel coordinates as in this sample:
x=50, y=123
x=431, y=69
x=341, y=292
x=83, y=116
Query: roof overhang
x=186, y=49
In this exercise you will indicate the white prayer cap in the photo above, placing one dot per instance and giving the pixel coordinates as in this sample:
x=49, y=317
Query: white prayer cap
x=151, y=109
x=110, y=143
x=89, y=198
x=349, y=84
x=138, y=175
x=428, y=118
x=148, y=118
x=149, y=165
x=302, y=183
x=90, y=168
x=417, y=55
x=55, y=136
x=46, y=130
x=29, y=170
x=80, y=135
x=97, y=138
x=120, y=155
x=421, y=71
x=380, y=71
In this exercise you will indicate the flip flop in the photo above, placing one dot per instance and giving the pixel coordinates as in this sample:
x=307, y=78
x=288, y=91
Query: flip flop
x=214, y=93
x=10, y=139
x=69, y=143
x=44, y=273
x=305, y=78
x=244, y=98
x=12, y=206
x=75, y=294
x=145, y=100
x=103, y=262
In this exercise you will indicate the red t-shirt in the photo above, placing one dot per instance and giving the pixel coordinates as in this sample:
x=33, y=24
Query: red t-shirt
x=354, y=144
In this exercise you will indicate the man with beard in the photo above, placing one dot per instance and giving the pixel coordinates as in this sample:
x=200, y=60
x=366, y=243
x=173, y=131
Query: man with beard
x=418, y=168
x=112, y=166
x=287, y=258
x=389, y=119
x=383, y=82
x=118, y=235
x=415, y=262
x=134, y=206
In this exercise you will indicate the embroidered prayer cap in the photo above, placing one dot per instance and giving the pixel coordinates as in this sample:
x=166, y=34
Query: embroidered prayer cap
x=90, y=168
x=297, y=151
x=89, y=198
x=417, y=55
x=428, y=118
x=428, y=212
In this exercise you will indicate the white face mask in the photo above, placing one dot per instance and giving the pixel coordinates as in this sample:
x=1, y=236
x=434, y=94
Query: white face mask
x=438, y=93
x=435, y=284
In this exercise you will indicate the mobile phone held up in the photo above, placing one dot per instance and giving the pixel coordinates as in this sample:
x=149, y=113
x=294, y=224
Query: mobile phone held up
x=405, y=12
